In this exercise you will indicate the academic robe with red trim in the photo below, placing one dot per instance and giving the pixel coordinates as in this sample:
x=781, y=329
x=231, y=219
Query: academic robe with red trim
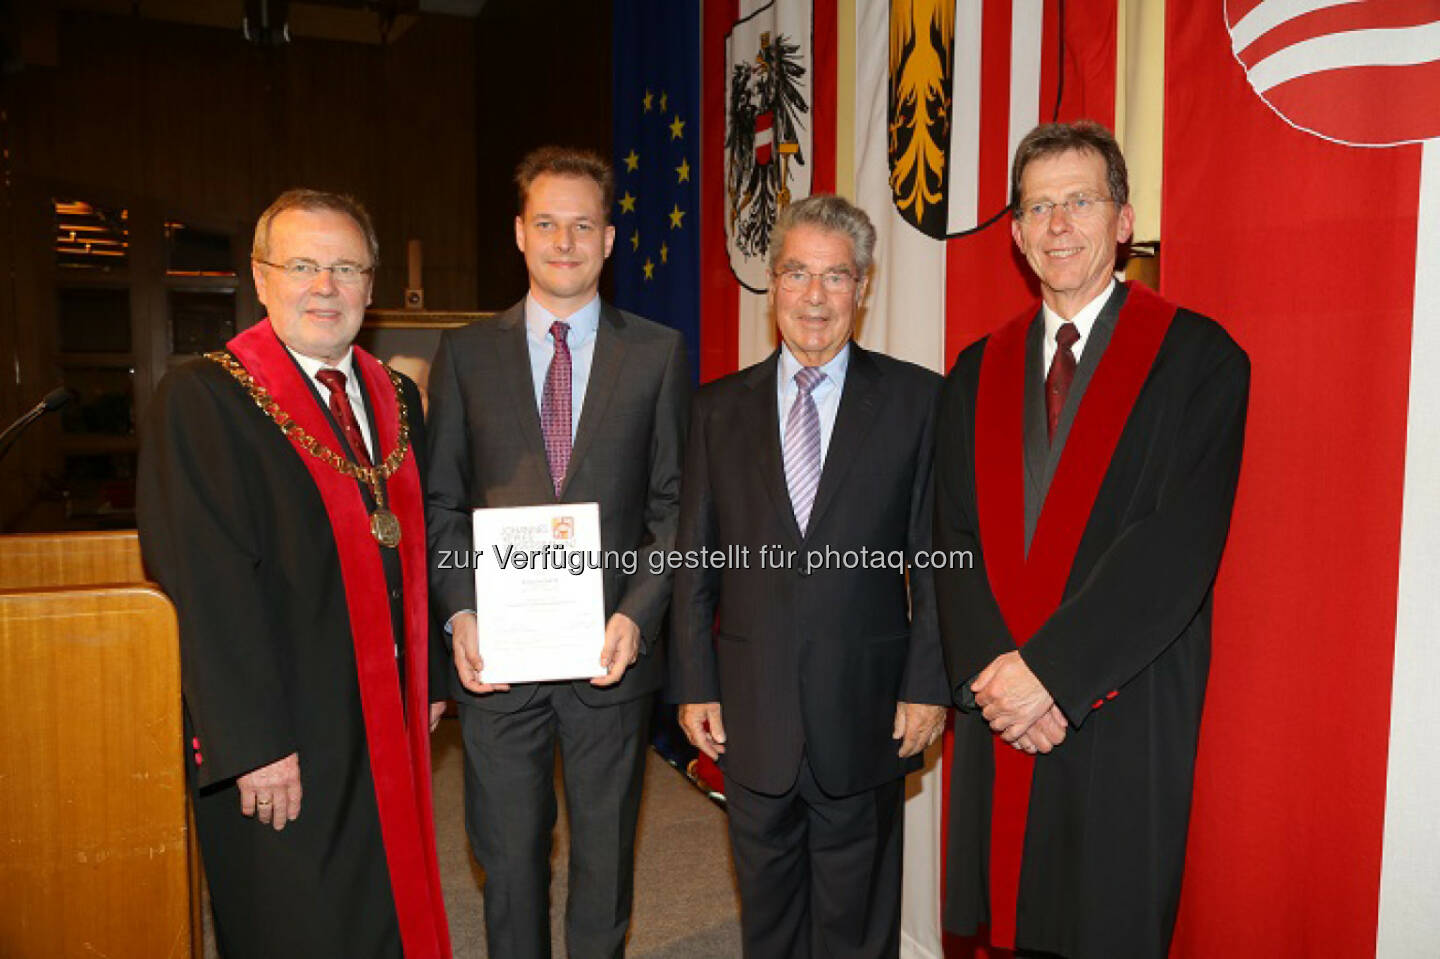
x=1122, y=641
x=234, y=527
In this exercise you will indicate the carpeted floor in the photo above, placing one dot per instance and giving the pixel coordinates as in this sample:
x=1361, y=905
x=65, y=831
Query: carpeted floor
x=685, y=901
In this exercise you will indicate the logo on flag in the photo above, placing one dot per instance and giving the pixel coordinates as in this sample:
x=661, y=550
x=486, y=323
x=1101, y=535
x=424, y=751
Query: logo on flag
x=1362, y=74
x=767, y=138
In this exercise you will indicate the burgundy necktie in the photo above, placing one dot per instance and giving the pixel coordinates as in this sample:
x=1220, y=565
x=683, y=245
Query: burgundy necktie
x=344, y=414
x=555, y=407
x=1062, y=373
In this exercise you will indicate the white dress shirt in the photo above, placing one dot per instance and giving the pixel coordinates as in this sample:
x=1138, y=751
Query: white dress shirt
x=352, y=390
x=1084, y=321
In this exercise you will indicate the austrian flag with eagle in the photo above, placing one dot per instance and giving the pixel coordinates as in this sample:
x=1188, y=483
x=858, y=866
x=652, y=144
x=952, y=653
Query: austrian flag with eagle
x=768, y=129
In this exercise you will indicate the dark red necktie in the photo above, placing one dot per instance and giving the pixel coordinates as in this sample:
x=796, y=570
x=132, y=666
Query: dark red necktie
x=1062, y=373
x=344, y=414
x=555, y=406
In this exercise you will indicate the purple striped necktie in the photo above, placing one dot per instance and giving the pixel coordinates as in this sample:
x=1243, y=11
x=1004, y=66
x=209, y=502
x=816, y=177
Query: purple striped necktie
x=802, y=446
x=555, y=405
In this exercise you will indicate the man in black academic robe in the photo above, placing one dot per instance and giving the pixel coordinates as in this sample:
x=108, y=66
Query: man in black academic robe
x=303, y=620
x=1088, y=453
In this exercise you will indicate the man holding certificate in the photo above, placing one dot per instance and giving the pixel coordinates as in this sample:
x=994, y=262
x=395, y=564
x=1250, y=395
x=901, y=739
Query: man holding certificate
x=565, y=404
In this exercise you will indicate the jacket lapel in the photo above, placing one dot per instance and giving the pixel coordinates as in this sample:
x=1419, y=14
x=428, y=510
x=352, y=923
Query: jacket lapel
x=762, y=419
x=604, y=374
x=853, y=420
x=514, y=366
x=1037, y=439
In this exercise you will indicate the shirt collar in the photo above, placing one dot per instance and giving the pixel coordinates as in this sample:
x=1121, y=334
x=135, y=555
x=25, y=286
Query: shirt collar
x=1084, y=320
x=834, y=370
x=583, y=322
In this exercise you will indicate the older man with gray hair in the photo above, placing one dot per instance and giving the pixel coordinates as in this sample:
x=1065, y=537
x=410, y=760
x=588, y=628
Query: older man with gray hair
x=281, y=509
x=810, y=671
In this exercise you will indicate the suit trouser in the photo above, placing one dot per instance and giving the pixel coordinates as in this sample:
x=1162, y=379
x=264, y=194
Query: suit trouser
x=819, y=875
x=510, y=817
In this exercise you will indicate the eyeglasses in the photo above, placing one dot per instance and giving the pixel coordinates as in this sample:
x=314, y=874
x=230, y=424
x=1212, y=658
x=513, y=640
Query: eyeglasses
x=832, y=281
x=1081, y=206
x=345, y=274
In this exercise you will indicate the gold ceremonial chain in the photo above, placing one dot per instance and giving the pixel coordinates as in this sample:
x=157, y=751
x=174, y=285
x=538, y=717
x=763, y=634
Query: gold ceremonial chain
x=384, y=525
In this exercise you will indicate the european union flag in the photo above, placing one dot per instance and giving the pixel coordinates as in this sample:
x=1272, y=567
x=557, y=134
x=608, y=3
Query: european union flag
x=657, y=164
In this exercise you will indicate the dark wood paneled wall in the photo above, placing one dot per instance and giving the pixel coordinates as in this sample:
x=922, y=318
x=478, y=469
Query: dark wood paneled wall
x=213, y=128
x=544, y=77
x=194, y=123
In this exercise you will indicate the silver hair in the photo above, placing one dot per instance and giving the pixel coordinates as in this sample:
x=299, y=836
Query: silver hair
x=833, y=213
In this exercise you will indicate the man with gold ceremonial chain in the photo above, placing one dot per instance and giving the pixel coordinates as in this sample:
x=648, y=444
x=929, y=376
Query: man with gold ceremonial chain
x=281, y=506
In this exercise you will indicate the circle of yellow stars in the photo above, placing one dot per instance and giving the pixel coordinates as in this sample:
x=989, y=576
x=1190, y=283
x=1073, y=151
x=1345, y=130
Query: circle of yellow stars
x=682, y=175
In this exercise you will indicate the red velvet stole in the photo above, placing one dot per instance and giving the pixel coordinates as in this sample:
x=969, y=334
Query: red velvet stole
x=1028, y=590
x=399, y=752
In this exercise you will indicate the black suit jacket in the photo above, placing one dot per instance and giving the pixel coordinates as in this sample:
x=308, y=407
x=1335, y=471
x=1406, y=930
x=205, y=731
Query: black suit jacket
x=486, y=450
x=815, y=656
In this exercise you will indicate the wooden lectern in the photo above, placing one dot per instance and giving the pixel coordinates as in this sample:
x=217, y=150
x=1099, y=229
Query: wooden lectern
x=97, y=858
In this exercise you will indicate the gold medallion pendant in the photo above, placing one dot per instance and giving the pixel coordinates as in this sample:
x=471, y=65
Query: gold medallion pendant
x=385, y=527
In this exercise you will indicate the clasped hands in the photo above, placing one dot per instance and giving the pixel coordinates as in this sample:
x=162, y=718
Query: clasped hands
x=1018, y=706
x=621, y=649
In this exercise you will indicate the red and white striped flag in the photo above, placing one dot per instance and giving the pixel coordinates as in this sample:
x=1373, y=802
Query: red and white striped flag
x=1289, y=218
x=1301, y=195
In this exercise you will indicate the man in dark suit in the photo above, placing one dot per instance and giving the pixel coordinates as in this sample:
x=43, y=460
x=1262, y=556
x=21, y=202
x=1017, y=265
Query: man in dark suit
x=822, y=681
x=562, y=398
x=1089, y=452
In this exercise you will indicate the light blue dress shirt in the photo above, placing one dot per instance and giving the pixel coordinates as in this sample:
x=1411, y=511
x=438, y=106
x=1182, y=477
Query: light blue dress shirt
x=584, y=323
x=826, y=395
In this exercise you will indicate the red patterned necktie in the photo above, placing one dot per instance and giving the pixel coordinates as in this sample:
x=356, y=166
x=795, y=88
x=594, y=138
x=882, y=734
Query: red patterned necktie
x=555, y=405
x=1062, y=373
x=344, y=414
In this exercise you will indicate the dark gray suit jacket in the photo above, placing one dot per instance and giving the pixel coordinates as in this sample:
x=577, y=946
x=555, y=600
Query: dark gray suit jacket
x=808, y=660
x=486, y=450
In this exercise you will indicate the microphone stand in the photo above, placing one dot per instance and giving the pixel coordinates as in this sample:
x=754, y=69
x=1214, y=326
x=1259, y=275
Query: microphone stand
x=53, y=400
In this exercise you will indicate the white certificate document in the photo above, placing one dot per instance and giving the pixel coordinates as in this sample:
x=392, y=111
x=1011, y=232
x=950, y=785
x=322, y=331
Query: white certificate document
x=539, y=592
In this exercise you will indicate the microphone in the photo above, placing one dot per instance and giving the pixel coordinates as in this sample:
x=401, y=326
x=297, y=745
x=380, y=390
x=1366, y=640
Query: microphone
x=53, y=400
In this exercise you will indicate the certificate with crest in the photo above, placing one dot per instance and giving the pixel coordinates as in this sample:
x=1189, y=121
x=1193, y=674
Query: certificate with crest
x=539, y=592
